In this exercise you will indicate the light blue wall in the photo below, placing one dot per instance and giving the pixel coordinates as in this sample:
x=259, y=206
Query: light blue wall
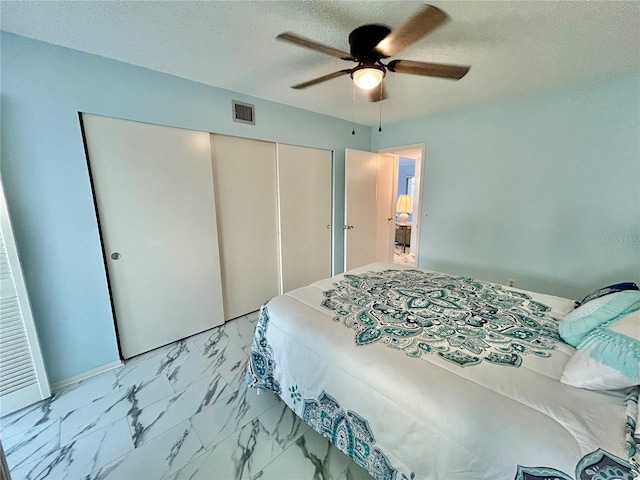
x=46, y=180
x=543, y=188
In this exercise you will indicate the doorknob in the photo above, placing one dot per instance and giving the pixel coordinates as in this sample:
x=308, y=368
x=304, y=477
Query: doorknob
x=328, y=226
x=349, y=227
x=389, y=219
x=115, y=256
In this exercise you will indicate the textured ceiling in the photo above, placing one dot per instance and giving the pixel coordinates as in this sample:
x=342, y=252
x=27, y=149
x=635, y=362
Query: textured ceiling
x=511, y=46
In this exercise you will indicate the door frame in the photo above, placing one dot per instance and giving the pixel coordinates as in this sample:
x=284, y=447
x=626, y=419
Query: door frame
x=417, y=152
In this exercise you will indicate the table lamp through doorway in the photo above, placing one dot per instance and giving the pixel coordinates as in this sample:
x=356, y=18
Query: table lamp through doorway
x=404, y=207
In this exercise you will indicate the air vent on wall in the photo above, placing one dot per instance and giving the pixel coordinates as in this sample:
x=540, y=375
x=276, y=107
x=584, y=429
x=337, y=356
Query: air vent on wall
x=243, y=112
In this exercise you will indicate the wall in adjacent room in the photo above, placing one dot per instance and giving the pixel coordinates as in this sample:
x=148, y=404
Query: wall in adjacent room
x=543, y=188
x=406, y=169
x=45, y=175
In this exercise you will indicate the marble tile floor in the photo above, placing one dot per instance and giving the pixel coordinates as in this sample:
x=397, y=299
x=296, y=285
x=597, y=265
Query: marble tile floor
x=403, y=258
x=179, y=412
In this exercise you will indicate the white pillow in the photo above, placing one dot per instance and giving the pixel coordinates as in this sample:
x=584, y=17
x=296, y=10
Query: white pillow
x=608, y=358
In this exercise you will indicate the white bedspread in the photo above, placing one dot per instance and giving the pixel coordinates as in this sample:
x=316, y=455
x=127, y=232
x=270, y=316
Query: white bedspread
x=434, y=416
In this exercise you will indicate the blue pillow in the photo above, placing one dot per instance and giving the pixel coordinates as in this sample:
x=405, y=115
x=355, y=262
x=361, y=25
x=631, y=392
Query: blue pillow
x=608, y=358
x=601, y=292
x=577, y=324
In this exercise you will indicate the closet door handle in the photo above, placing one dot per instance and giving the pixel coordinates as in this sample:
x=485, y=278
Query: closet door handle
x=115, y=256
x=328, y=226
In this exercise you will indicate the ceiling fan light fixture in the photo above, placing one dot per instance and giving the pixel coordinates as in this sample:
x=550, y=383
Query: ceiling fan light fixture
x=371, y=43
x=368, y=77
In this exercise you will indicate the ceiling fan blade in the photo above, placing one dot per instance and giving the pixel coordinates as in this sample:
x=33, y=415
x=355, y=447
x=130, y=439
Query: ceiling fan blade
x=453, y=72
x=324, y=78
x=419, y=25
x=305, y=42
x=378, y=93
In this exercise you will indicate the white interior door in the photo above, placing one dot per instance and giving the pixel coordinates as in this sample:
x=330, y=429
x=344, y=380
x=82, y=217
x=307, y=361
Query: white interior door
x=368, y=198
x=23, y=379
x=246, y=199
x=155, y=200
x=304, y=186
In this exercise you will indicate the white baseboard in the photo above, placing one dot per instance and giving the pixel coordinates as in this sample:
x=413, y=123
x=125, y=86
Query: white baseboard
x=83, y=376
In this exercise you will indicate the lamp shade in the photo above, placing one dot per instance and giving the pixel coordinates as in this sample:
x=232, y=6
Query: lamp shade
x=367, y=78
x=405, y=204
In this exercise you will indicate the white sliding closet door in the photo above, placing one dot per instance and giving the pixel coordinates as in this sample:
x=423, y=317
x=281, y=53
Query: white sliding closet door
x=304, y=183
x=23, y=379
x=156, y=206
x=244, y=173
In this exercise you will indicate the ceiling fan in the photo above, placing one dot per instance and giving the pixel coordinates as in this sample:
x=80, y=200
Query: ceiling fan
x=372, y=43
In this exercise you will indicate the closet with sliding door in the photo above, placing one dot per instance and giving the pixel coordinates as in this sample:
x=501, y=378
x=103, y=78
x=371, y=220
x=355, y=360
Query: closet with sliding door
x=304, y=186
x=244, y=178
x=273, y=206
x=157, y=215
x=199, y=228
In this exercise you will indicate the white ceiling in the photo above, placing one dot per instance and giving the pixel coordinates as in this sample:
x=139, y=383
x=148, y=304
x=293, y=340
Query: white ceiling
x=511, y=46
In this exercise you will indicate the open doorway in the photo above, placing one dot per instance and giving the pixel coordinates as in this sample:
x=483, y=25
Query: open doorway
x=407, y=200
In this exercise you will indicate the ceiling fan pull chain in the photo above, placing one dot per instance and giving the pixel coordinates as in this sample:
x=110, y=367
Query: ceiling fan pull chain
x=380, y=102
x=353, y=112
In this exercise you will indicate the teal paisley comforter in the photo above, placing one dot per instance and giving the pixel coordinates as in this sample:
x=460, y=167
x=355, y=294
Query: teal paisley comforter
x=423, y=375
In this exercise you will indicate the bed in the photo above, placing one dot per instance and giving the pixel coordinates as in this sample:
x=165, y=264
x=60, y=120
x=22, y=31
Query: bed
x=424, y=375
